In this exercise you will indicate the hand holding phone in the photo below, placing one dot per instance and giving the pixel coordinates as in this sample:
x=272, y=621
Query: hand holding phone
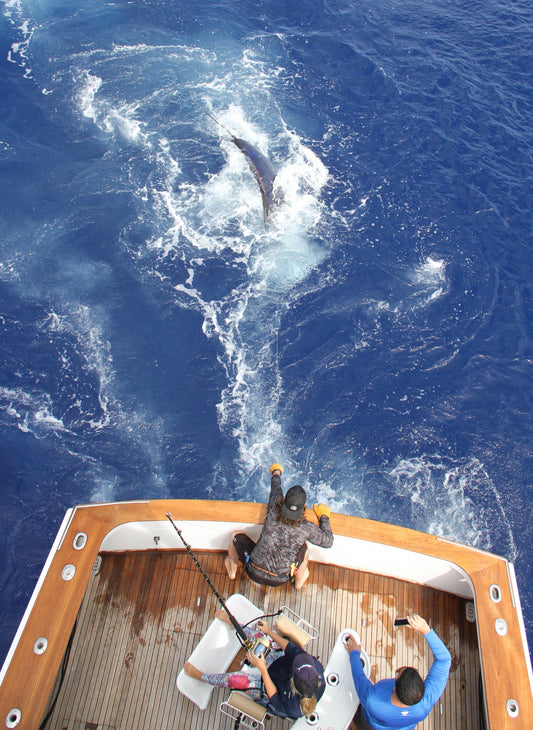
x=415, y=621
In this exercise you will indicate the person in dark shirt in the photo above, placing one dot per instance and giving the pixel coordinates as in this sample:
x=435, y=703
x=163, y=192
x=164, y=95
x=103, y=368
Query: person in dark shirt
x=293, y=680
x=281, y=553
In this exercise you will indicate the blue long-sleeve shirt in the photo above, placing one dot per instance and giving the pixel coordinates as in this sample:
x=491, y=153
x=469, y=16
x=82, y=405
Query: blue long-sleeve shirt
x=378, y=709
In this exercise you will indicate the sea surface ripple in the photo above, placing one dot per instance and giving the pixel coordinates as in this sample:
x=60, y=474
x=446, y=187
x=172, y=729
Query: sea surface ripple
x=376, y=337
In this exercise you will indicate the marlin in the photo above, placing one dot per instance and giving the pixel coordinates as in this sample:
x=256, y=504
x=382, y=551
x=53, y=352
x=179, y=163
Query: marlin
x=260, y=165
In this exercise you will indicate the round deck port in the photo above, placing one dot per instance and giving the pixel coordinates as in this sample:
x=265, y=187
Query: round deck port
x=501, y=626
x=512, y=708
x=80, y=541
x=40, y=646
x=68, y=572
x=13, y=717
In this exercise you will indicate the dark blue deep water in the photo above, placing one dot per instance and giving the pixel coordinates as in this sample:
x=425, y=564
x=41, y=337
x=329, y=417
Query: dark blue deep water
x=377, y=338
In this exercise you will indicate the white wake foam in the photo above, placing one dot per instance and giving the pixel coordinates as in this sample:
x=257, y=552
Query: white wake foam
x=455, y=499
x=221, y=218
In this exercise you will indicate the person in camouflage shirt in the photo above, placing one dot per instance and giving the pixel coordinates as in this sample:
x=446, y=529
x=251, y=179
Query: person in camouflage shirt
x=281, y=553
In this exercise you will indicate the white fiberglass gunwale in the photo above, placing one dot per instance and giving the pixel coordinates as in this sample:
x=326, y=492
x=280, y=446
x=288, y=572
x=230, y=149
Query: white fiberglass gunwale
x=347, y=552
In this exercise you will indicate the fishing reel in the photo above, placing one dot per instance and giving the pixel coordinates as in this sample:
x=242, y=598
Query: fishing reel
x=260, y=645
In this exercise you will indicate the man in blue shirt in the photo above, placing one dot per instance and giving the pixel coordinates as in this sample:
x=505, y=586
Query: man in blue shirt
x=403, y=702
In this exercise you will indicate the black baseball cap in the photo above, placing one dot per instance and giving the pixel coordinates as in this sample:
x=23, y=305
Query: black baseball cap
x=306, y=677
x=294, y=504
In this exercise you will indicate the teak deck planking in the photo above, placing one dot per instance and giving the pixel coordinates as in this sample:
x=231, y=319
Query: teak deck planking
x=143, y=614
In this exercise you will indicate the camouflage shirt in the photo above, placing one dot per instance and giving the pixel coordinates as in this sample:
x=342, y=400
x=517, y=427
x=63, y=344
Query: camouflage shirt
x=279, y=543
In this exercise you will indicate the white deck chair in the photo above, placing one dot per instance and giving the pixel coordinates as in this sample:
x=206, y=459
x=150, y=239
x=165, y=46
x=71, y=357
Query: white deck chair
x=242, y=708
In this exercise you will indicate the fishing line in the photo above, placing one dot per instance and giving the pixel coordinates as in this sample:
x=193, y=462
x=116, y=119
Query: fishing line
x=220, y=124
x=264, y=615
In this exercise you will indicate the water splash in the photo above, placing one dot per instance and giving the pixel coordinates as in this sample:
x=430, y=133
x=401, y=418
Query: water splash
x=455, y=499
x=429, y=280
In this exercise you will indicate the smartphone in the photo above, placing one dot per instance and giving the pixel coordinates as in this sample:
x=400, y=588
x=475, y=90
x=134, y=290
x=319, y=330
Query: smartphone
x=401, y=622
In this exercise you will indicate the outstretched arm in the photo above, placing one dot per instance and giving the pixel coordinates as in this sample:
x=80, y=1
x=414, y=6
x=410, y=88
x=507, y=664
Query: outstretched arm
x=442, y=656
x=275, y=485
x=363, y=685
x=320, y=535
x=440, y=652
x=438, y=674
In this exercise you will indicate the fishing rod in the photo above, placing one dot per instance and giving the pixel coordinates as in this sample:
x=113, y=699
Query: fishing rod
x=236, y=625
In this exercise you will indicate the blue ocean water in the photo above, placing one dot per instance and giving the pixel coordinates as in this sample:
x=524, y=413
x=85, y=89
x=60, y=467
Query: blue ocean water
x=376, y=337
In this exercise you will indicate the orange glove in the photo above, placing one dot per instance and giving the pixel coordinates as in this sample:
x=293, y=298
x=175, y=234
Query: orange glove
x=276, y=466
x=321, y=510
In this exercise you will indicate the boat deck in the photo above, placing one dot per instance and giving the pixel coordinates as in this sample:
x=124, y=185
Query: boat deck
x=144, y=613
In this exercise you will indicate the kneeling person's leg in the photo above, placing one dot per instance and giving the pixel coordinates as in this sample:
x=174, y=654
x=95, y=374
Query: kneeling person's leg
x=302, y=570
x=239, y=549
